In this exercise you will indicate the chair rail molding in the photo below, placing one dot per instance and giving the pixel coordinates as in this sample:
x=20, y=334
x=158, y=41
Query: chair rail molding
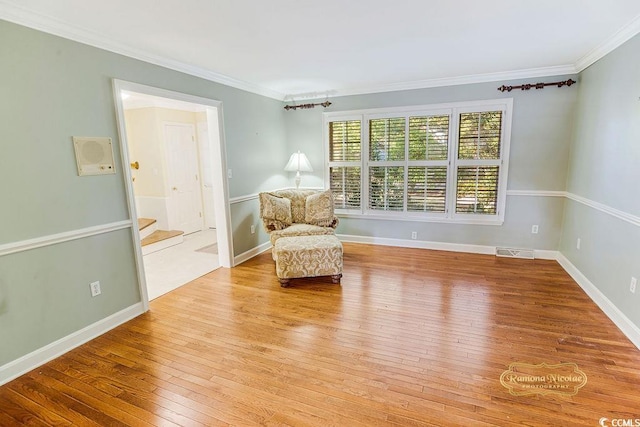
x=66, y=236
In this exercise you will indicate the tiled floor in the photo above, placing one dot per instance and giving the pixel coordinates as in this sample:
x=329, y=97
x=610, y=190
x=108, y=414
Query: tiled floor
x=173, y=267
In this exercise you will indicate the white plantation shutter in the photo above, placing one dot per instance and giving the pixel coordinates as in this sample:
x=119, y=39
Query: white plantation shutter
x=479, y=136
x=345, y=154
x=386, y=188
x=408, y=163
x=478, y=164
x=477, y=189
x=345, y=141
x=429, y=138
x=386, y=161
x=428, y=165
x=386, y=139
x=345, y=185
x=426, y=189
x=444, y=162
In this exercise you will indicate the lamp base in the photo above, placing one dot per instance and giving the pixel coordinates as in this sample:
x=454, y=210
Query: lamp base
x=298, y=180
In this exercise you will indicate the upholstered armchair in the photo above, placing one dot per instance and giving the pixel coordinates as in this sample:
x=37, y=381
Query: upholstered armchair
x=301, y=226
x=288, y=213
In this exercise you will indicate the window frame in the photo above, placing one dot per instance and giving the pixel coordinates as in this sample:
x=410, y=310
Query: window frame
x=453, y=110
x=329, y=164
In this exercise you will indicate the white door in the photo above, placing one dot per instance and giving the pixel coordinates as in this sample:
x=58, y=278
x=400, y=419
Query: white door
x=206, y=177
x=184, y=182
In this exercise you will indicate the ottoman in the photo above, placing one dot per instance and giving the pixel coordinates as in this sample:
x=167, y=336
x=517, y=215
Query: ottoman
x=308, y=256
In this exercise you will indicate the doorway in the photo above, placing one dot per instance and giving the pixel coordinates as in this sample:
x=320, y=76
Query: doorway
x=174, y=144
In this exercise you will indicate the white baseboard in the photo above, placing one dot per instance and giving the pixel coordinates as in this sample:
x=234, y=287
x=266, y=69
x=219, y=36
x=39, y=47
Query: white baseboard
x=612, y=312
x=438, y=246
x=403, y=243
x=49, y=352
x=545, y=254
x=251, y=253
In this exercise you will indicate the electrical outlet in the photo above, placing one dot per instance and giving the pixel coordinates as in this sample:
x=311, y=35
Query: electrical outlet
x=578, y=243
x=253, y=229
x=534, y=229
x=95, y=288
x=632, y=286
x=229, y=174
x=414, y=235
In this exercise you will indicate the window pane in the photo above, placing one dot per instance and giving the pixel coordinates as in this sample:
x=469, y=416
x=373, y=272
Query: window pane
x=345, y=185
x=386, y=139
x=428, y=138
x=427, y=189
x=477, y=189
x=386, y=188
x=344, y=141
x=480, y=135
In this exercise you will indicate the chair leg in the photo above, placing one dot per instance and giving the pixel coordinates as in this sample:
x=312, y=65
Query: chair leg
x=284, y=282
x=335, y=278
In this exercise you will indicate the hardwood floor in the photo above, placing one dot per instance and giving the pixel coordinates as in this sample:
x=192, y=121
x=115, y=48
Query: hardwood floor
x=411, y=337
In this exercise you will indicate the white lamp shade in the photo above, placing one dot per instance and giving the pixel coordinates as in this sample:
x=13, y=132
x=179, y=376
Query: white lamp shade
x=298, y=162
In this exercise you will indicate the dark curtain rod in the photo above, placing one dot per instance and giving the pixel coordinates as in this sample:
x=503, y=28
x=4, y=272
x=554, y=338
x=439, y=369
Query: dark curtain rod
x=325, y=104
x=536, y=85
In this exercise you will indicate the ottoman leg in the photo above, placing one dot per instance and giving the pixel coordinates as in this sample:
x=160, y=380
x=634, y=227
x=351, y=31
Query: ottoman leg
x=335, y=278
x=284, y=282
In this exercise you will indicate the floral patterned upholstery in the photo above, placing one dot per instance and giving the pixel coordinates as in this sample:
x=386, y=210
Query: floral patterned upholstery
x=318, y=209
x=308, y=256
x=298, y=199
x=273, y=213
x=295, y=230
x=301, y=227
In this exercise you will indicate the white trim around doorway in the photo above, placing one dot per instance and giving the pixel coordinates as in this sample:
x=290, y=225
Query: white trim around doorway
x=218, y=151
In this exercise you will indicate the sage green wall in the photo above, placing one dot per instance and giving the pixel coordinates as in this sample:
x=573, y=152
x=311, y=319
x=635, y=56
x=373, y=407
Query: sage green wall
x=540, y=141
x=604, y=167
x=46, y=291
x=246, y=214
x=52, y=89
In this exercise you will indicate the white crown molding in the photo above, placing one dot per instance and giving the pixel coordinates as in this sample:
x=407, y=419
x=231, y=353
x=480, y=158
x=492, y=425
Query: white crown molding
x=23, y=16
x=19, y=15
x=462, y=80
x=615, y=41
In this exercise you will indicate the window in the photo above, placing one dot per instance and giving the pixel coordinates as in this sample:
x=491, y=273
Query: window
x=478, y=165
x=439, y=163
x=345, y=159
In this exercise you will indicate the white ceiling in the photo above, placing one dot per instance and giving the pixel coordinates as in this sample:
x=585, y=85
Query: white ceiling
x=281, y=48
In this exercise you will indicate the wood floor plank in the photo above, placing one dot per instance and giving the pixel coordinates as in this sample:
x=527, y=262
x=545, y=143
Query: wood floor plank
x=47, y=416
x=14, y=408
x=411, y=337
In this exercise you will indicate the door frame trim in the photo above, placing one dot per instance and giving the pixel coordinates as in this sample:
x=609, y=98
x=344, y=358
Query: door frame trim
x=219, y=162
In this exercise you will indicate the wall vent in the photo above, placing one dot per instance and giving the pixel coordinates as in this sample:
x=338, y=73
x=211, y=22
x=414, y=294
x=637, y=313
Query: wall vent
x=515, y=253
